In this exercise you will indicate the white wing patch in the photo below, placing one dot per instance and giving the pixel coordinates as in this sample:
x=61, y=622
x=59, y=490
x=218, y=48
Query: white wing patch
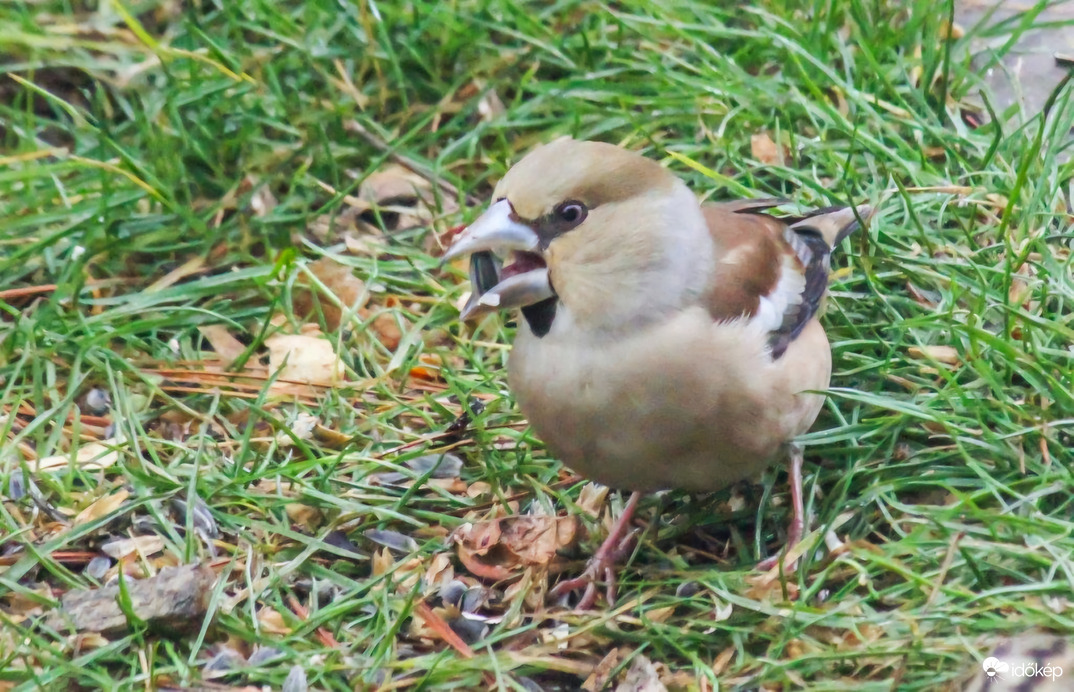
x=772, y=308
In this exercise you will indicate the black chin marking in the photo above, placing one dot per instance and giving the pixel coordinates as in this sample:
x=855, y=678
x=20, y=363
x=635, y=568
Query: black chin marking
x=539, y=316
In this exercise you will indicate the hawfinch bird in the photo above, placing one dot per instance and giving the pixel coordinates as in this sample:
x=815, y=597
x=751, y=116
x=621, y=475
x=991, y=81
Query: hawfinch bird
x=665, y=343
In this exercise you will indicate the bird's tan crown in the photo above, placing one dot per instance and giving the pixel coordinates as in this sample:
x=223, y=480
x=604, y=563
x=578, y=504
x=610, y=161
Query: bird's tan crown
x=593, y=173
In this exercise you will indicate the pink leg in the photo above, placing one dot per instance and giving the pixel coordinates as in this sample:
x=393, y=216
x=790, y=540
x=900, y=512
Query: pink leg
x=602, y=564
x=797, y=527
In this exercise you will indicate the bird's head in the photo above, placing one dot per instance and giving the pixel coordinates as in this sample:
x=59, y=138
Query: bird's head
x=604, y=234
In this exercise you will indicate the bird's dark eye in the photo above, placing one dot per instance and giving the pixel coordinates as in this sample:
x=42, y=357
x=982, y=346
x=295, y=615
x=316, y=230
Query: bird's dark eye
x=571, y=213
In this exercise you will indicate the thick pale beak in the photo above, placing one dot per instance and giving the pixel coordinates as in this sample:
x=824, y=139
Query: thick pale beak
x=494, y=231
x=516, y=291
x=497, y=287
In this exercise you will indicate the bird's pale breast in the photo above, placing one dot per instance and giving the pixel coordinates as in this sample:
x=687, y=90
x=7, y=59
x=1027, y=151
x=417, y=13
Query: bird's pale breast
x=687, y=403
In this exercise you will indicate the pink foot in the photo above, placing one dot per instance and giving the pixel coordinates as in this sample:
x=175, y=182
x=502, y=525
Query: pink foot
x=797, y=527
x=602, y=564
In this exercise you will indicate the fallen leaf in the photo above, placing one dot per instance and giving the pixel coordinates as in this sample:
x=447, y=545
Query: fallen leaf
x=1018, y=292
x=393, y=183
x=386, y=327
x=364, y=245
x=20, y=606
x=429, y=370
x=722, y=660
x=401, y=198
x=765, y=150
x=944, y=354
x=303, y=515
x=262, y=201
x=301, y=429
x=382, y=562
x=659, y=615
x=641, y=677
x=330, y=437
x=140, y=545
x=296, y=680
x=89, y=457
x=766, y=587
x=272, y=622
x=192, y=266
x=923, y=298
x=226, y=346
x=303, y=358
x=440, y=570
x=101, y=507
x=592, y=498
x=478, y=488
x=497, y=548
x=601, y=676
x=490, y=106
x=339, y=279
x=88, y=641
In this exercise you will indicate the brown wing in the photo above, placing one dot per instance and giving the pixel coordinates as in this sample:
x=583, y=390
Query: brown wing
x=771, y=269
x=747, y=245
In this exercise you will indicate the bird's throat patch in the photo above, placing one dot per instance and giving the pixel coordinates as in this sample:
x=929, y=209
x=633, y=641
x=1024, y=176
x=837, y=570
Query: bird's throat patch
x=540, y=315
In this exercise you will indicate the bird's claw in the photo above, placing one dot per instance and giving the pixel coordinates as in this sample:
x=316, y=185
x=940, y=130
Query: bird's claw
x=602, y=564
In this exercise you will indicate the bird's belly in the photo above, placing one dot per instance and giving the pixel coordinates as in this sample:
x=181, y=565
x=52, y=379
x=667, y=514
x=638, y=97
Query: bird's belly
x=687, y=404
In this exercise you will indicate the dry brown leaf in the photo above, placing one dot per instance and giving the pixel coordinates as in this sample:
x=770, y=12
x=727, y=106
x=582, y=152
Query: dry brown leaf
x=592, y=498
x=262, y=201
x=382, y=562
x=340, y=280
x=601, y=676
x=391, y=184
x=1018, y=292
x=944, y=354
x=20, y=606
x=403, y=198
x=387, y=329
x=765, y=150
x=440, y=571
x=331, y=438
x=272, y=622
x=498, y=548
x=722, y=661
x=140, y=545
x=226, y=346
x=456, y=486
x=88, y=641
x=767, y=587
x=920, y=297
x=101, y=507
x=659, y=615
x=429, y=369
x=303, y=358
x=478, y=488
x=301, y=428
x=364, y=245
x=641, y=677
x=677, y=680
x=305, y=516
x=192, y=266
x=90, y=457
x=537, y=539
x=949, y=31
x=490, y=106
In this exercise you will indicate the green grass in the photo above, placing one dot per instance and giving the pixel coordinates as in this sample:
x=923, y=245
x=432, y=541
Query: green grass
x=139, y=137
